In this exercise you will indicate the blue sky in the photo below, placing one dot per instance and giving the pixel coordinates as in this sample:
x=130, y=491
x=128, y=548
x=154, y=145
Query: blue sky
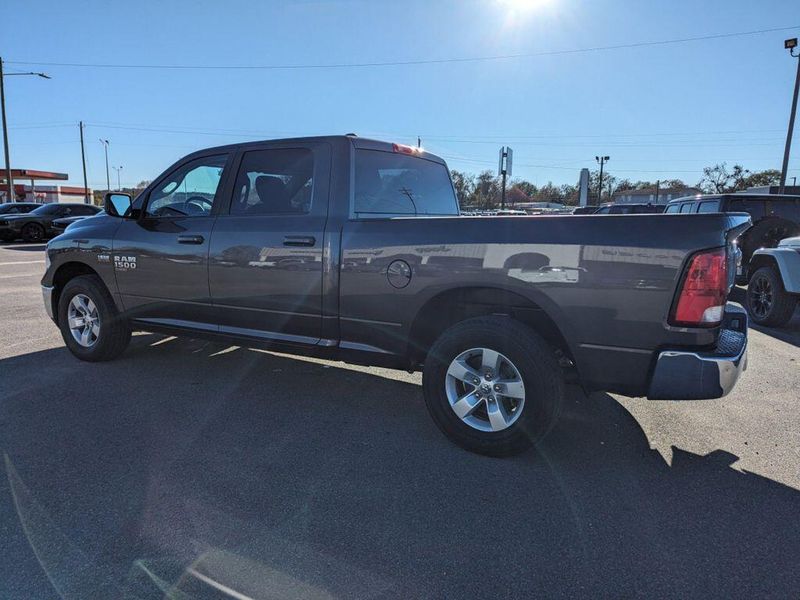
x=660, y=112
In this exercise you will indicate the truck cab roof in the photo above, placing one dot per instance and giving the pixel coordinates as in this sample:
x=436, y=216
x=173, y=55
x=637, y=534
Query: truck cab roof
x=354, y=140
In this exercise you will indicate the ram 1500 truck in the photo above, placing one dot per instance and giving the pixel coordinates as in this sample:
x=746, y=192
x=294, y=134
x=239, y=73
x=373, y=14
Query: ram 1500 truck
x=353, y=249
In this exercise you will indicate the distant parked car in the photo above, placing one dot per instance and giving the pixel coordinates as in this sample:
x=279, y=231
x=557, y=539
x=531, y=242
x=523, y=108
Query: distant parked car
x=629, y=209
x=774, y=288
x=510, y=212
x=17, y=208
x=775, y=217
x=59, y=226
x=14, y=208
x=36, y=226
x=585, y=210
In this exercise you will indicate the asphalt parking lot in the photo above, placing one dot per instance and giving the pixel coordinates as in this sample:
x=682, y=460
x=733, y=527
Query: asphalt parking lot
x=189, y=469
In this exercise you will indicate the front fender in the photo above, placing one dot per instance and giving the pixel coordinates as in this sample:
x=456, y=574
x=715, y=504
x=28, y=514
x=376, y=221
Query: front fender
x=787, y=261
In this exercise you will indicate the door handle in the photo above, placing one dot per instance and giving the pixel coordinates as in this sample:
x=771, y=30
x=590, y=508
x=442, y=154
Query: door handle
x=190, y=239
x=299, y=240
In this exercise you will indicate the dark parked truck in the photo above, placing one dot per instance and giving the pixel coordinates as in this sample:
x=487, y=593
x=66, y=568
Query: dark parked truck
x=351, y=249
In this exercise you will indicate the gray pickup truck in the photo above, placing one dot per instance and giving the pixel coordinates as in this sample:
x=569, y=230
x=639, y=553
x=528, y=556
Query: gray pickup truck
x=353, y=249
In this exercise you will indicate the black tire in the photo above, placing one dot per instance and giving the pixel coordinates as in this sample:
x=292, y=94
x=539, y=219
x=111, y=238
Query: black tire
x=768, y=303
x=115, y=332
x=530, y=355
x=33, y=232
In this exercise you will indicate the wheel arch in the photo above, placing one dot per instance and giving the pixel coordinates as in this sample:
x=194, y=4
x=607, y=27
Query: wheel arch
x=66, y=272
x=451, y=306
x=785, y=261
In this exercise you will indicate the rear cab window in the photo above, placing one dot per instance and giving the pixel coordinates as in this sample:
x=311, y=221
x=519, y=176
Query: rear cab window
x=709, y=206
x=389, y=184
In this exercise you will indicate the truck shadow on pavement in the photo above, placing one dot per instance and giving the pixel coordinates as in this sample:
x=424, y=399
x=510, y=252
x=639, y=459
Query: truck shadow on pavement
x=186, y=464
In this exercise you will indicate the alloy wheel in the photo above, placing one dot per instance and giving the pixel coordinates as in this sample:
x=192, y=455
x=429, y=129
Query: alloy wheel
x=485, y=389
x=761, y=296
x=84, y=320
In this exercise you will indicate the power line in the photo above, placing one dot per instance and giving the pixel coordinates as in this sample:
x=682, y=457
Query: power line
x=398, y=63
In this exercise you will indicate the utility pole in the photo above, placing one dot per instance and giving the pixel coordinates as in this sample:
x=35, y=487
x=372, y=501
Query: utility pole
x=83, y=159
x=419, y=142
x=790, y=45
x=504, y=170
x=658, y=189
x=108, y=178
x=9, y=180
x=118, y=170
x=602, y=160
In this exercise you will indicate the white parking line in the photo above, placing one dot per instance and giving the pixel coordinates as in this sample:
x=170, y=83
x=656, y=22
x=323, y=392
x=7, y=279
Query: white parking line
x=21, y=262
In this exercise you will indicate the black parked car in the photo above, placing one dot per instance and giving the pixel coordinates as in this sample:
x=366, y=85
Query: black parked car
x=775, y=217
x=59, y=226
x=15, y=208
x=585, y=210
x=629, y=209
x=37, y=225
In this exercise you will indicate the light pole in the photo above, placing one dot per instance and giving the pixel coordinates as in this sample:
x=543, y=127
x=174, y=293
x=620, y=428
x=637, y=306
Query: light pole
x=790, y=45
x=108, y=176
x=118, y=170
x=9, y=181
x=602, y=160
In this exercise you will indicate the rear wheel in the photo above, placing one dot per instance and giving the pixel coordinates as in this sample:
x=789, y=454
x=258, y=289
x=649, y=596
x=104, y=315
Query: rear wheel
x=33, y=232
x=90, y=324
x=492, y=385
x=767, y=302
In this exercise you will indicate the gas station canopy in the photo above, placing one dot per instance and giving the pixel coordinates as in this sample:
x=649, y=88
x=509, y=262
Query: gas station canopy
x=34, y=175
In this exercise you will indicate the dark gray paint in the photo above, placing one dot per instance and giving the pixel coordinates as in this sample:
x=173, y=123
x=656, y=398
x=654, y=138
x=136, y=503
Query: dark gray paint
x=607, y=282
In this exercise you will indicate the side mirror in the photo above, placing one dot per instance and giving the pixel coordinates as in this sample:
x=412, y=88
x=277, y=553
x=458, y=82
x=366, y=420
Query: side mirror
x=117, y=204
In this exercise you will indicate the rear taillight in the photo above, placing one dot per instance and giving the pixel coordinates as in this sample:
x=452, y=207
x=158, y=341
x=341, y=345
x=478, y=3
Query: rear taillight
x=704, y=290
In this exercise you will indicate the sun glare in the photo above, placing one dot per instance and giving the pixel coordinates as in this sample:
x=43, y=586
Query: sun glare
x=520, y=7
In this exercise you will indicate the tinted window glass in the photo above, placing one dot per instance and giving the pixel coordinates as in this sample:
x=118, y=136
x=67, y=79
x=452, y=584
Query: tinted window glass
x=83, y=210
x=276, y=181
x=709, y=206
x=603, y=211
x=687, y=207
x=388, y=183
x=48, y=209
x=189, y=190
x=673, y=208
x=754, y=207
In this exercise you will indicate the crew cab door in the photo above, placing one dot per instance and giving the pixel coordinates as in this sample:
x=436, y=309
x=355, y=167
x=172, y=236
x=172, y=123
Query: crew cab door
x=161, y=259
x=266, y=256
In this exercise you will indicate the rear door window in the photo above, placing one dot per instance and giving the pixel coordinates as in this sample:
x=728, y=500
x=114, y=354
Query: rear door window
x=392, y=184
x=275, y=181
x=687, y=207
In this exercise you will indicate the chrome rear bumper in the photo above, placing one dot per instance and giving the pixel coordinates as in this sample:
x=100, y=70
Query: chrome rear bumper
x=687, y=375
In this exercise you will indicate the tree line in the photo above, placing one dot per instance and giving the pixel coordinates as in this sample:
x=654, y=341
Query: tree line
x=483, y=191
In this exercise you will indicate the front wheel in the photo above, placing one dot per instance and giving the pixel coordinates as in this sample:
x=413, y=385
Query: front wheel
x=90, y=324
x=492, y=385
x=33, y=232
x=767, y=302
